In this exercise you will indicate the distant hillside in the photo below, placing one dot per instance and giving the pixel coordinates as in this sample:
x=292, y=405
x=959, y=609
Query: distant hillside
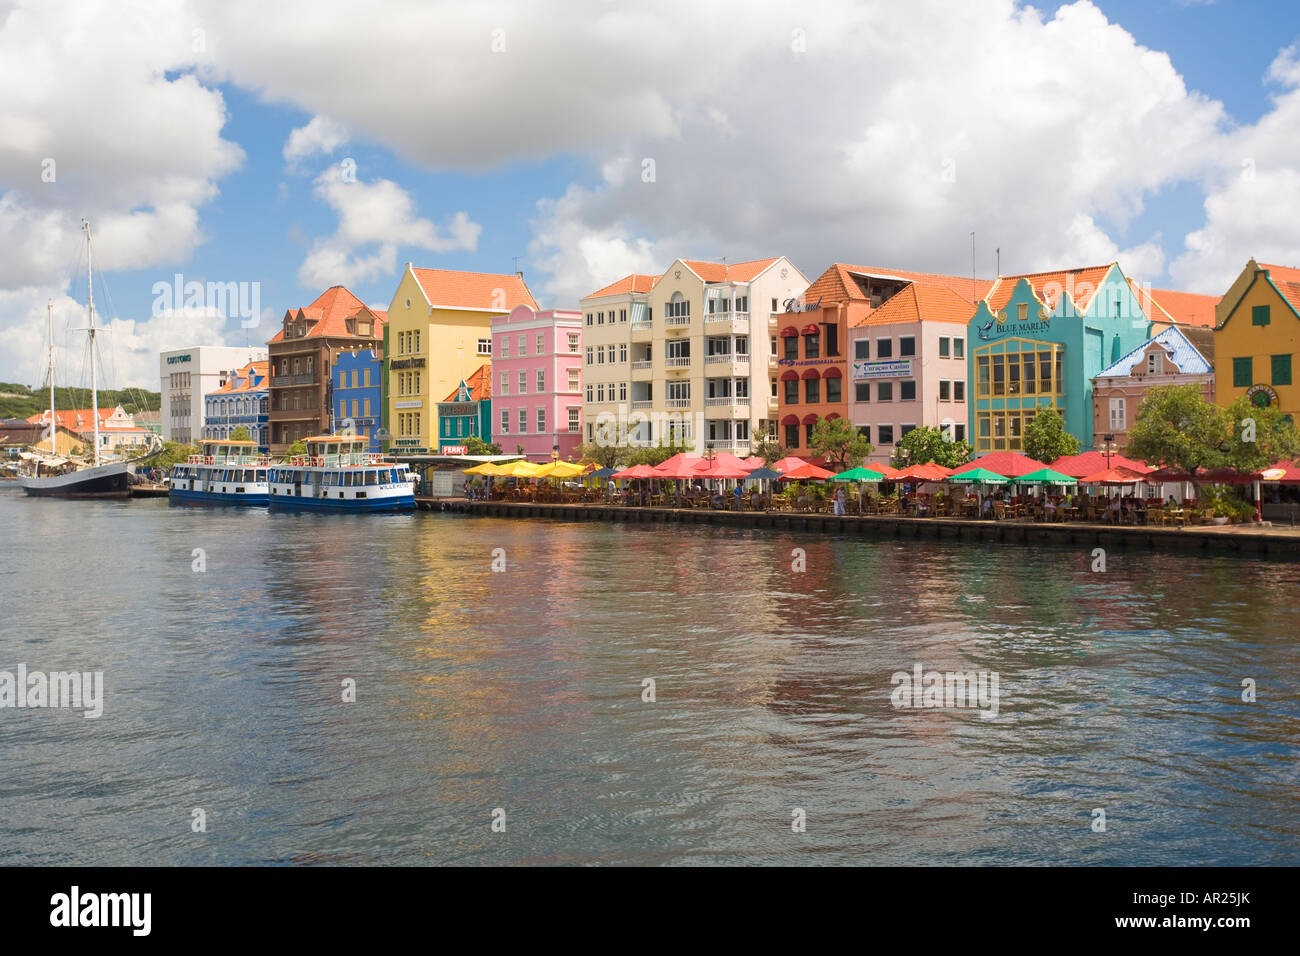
x=19, y=401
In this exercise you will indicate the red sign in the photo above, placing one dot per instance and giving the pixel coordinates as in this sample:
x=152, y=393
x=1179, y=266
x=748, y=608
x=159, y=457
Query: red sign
x=453, y=450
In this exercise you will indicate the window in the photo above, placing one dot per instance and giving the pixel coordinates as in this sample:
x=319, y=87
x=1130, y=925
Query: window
x=945, y=390
x=958, y=348
x=600, y=355
x=541, y=343
x=884, y=391
x=600, y=318
x=574, y=379
x=832, y=389
x=862, y=391
x=862, y=349
x=590, y=392
x=791, y=436
x=1281, y=369
x=600, y=392
x=573, y=418
x=1152, y=367
x=884, y=348
x=505, y=421
x=944, y=342
x=505, y=346
x=1022, y=311
x=484, y=348
x=792, y=347
x=812, y=390
x=622, y=317
x=812, y=346
x=808, y=433
x=678, y=307
x=610, y=353
x=1259, y=315
x=505, y=383
x=622, y=353
x=541, y=380
x=904, y=429
x=541, y=419
x=1243, y=375
x=1117, y=414
x=366, y=408
x=523, y=420
x=792, y=392
x=959, y=391
x=588, y=354
x=589, y=318
x=523, y=344
x=622, y=391
x=906, y=345
x=573, y=343
x=884, y=434
x=523, y=382
x=907, y=391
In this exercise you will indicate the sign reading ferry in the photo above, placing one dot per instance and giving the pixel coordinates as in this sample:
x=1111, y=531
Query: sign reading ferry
x=453, y=450
x=882, y=369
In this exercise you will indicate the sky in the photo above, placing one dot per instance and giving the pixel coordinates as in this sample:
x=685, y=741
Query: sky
x=279, y=149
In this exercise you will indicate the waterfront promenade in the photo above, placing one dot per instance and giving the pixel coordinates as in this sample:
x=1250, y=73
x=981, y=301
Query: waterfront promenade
x=1227, y=539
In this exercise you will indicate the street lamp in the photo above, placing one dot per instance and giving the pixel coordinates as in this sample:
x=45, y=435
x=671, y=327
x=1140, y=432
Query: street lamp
x=1108, y=438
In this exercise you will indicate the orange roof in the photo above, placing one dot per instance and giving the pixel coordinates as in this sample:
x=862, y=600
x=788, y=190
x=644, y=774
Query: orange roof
x=479, y=382
x=836, y=285
x=74, y=419
x=244, y=375
x=1080, y=284
x=1187, y=308
x=328, y=315
x=446, y=289
x=920, y=302
x=626, y=286
x=728, y=272
x=1287, y=281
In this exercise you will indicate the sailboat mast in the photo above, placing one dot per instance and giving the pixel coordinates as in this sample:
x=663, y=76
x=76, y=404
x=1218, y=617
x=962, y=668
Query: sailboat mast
x=90, y=311
x=54, y=426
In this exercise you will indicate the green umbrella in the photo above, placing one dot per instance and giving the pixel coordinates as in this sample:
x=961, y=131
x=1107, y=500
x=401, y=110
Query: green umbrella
x=1046, y=476
x=977, y=476
x=858, y=474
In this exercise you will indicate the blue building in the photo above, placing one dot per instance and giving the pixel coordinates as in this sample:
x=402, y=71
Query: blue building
x=468, y=410
x=357, y=396
x=244, y=399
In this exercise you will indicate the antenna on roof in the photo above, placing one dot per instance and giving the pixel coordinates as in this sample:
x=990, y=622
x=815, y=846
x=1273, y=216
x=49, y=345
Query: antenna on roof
x=973, y=296
x=999, y=252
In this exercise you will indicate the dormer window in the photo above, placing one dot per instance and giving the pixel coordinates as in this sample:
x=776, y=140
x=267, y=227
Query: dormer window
x=363, y=328
x=1153, y=363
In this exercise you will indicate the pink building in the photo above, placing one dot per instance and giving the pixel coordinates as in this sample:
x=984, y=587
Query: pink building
x=537, y=386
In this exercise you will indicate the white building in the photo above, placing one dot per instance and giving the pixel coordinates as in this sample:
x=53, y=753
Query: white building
x=189, y=374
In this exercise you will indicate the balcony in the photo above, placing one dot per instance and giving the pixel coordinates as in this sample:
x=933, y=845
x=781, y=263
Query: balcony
x=678, y=403
x=642, y=371
x=305, y=378
x=737, y=446
x=726, y=365
x=678, y=364
x=642, y=331
x=773, y=320
x=677, y=323
x=732, y=406
x=727, y=323
x=643, y=406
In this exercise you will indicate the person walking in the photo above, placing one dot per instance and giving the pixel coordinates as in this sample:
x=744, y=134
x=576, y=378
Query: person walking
x=839, y=501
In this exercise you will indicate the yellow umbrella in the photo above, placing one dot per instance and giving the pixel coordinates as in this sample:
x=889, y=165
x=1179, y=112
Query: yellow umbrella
x=544, y=471
x=487, y=468
x=519, y=469
x=566, y=469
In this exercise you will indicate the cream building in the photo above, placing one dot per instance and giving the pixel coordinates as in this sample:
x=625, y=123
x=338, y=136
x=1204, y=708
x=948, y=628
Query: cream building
x=692, y=362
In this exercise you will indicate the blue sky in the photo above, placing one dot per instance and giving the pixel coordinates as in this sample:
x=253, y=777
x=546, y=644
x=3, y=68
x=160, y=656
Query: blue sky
x=817, y=131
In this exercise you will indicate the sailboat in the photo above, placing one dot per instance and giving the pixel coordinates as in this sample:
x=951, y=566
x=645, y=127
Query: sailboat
x=56, y=477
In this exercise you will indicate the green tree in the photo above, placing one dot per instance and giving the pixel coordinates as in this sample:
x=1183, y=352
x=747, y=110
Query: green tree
x=241, y=434
x=604, y=455
x=477, y=446
x=654, y=454
x=297, y=448
x=1046, y=438
x=928, y=443
x=839, y=441
x=1177, y=427
x=1258, y=436
x=769, y=449
x=171, y=453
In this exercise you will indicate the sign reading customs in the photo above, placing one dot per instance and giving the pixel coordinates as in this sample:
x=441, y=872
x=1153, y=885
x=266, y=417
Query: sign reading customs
x=882, y=369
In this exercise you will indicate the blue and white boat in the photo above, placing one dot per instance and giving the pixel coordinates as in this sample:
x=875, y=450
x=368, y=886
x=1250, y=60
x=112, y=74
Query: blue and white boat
x=229, y=472
x=338, y=474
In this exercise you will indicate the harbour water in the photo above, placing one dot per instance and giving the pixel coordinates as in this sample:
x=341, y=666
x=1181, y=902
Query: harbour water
x=522, y=690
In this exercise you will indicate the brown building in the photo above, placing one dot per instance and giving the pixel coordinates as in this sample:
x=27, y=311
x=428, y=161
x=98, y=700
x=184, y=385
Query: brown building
x=813, y=348
x=301, y=356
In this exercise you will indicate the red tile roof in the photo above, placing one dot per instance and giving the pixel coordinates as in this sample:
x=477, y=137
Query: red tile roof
x=1185, y=308
x=1080, y=284
x=729, y=272
x=1287, y=281
x=920, y=302
x=836, y=285
x=74, y=419
x=489, y=291
x=243, y=375
x=479, y=382
x=328, y=315
x=636, y=282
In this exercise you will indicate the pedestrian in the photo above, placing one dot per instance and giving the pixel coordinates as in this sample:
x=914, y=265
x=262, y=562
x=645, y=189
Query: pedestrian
x=839, y=501
x=738, y=492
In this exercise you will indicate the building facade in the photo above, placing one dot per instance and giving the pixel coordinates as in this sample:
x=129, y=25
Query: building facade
x=244, y=401
x=1257, y=338
x=537, y=389
x=118, y=432
x=1037, y=341
x=440, y=330
x=1169, y=357
x=357, y=394
x=466, y=412
x=698, y=366
x=189, y=374
x=302, y=356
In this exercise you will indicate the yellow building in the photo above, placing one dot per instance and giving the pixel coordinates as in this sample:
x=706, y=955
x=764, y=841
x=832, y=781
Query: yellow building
x=439, y=331
x=1257, y=337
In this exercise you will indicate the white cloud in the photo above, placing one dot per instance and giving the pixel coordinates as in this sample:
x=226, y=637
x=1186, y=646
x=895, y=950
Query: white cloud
x=321, y=136
x=379, y=216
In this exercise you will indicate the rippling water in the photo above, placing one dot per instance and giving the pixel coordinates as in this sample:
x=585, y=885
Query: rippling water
x=523, y=690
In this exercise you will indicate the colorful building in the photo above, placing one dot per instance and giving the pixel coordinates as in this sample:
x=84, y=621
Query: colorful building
x=244, y=401
x=187, y=375
x=357, y=395
x=467, y=411
x=302, y=355
x=1257, y=338
x=823, y=341
x=1037, y=341
x=118, y=431
x=537, y=395
x=690, y=362
x=1170, y=357
x=440, y=330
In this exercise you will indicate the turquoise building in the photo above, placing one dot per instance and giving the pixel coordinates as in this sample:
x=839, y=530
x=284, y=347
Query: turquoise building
x=1037, y=341
x=467, y=411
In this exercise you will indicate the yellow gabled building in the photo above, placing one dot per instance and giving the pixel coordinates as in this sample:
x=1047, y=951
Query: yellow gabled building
x=1257, y=337
x=439, y=331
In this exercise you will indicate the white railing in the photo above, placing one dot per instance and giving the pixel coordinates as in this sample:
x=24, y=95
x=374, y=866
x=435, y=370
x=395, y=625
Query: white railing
x=642, y=406
x=726, y=444
x=642, y=326
x=677, y=320
x=678, y=403
x=678, y=362
x=725, y=400
x=643, y=365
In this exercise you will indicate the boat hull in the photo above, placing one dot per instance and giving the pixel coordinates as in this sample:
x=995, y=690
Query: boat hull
x=104, y=481
x=342, y=505
x=179, y=496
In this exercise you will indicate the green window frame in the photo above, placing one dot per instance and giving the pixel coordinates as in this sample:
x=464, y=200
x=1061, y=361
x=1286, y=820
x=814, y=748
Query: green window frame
x=1259, y=315
x=1243, y=373
x=1281, y=369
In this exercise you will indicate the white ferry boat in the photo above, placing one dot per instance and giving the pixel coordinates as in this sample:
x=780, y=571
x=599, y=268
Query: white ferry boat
x=229, y=472
x=337, y=474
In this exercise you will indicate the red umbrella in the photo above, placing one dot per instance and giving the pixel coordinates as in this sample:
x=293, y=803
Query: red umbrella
x=723, y=470
x=785, y=464
x=680, y=466
x=1118, y=475
x=728, y=459
x=1009, y=464
x=927, y=472
x=637, y=471
x=754, y=461
x=806, y=471
x=1091, y=462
